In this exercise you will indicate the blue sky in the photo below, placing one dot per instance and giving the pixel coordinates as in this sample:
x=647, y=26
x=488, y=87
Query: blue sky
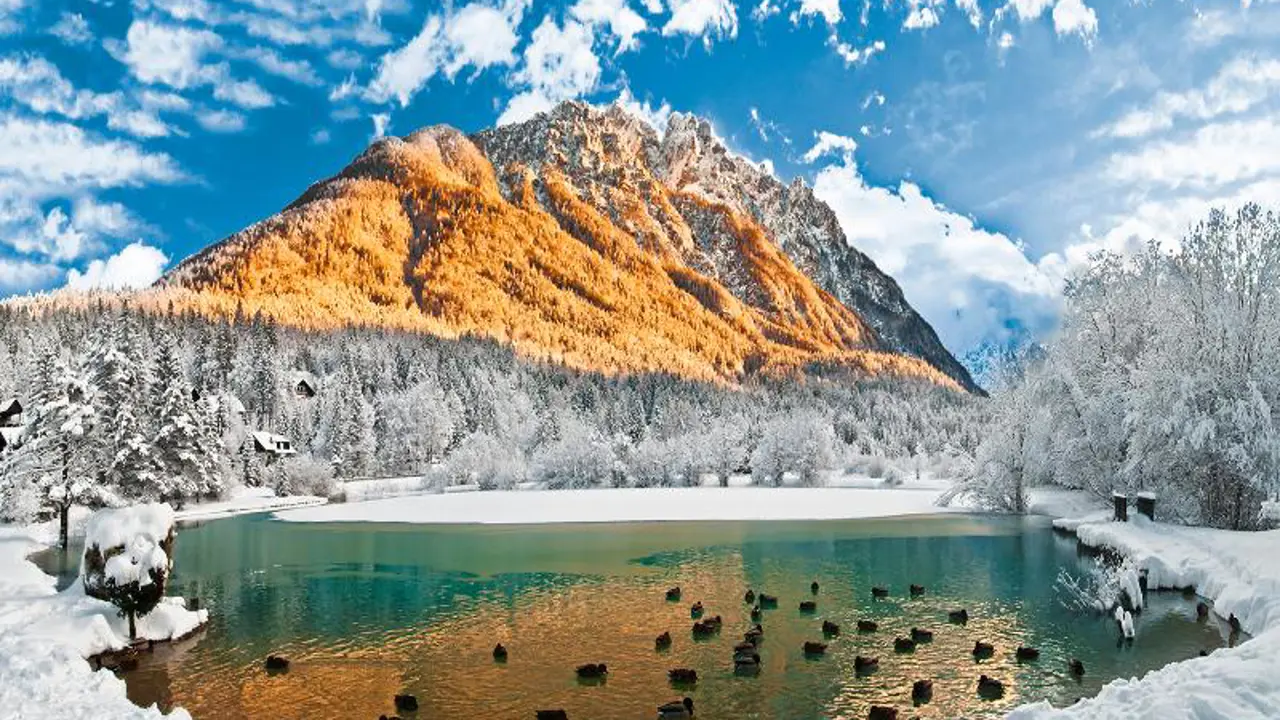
x=976, y=150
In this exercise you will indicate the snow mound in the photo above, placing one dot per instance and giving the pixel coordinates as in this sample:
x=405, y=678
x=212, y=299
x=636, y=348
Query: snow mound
x=117, y=527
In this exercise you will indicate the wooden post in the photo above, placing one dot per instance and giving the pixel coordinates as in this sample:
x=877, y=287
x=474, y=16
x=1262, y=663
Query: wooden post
x=1146, y=504
x=1121, y=502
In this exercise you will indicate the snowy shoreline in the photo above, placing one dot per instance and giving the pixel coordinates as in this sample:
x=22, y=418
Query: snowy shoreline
x=617, y=505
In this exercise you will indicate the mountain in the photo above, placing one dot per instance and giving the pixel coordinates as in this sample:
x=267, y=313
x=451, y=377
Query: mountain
x=581, y=236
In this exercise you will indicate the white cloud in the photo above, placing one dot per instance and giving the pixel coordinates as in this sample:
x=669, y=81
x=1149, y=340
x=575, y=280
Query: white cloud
x=707, y=19
x=1239, y=86
x=299, y=71
x=767, y=129
x=830, y=144
x=344, y=59
x=60, y=156
x=765, y=10
x=1216, y=155
x=972, y=11
x=828, y=10
x=176, y=55
x=72, y=29
x=381, y=121
x=320, y=136
x=168, y=54
x=477, y=36
x=624, y=23
x=136, y=265
x=965, y=280
x=37, y=84
x=875, y=98
x=921, y=18
x=221, y=121
x=559, y=64
x=657, y=118
x=18, y=276
x=1005, y=41
x=856, y=56
x=1070, y=17
x=1073, y=16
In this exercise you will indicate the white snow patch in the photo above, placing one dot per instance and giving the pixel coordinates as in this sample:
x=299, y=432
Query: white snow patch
x=245, y=500
x=629, y=505
x=45, y=637
x=1240, y=573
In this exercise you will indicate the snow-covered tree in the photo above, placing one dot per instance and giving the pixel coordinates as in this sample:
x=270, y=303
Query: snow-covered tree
x=184, y=454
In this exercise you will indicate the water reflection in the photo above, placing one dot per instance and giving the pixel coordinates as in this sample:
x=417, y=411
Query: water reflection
x=370, y=611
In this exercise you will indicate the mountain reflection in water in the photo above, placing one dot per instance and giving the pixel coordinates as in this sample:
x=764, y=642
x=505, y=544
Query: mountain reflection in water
x=365, y=612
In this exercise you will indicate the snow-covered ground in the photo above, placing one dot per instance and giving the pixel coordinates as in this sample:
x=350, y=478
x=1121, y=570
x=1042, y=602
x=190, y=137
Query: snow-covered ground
x=244, y=500
x=1240, y=572
x=630, y=505
x=45, y=637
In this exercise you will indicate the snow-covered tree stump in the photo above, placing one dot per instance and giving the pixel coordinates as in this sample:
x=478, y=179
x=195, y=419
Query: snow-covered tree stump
x=128, y=557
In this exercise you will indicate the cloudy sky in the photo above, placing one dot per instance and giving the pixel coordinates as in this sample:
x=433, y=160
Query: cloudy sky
x=975, y=150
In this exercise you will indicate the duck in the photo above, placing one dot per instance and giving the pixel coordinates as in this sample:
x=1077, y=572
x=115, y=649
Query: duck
x=1234, y=622
x=767, y=601
x=808, y=606
x=1028, y=654
x=550, y=715
x=921, y=635
x=916, y=590
x=750, y=597
x=715, y=620
x=829, y=628
x=983, y=650
x=879, y=592
x=499, y=653
x=959, y=617
x=683, y=675
x=746, y=663
x=406, y=703
x=695, y=611
x=703, y=628
x=745, y=646
x=922, y=691
x=592, y=671
x=277, y=663
x=904, y=645
x=867, y=626
x=676, y=709
x=882, y=712
x=814, y=648
x=1202, y=611
x=814, y=587
x=673, y=594
x=663, y=641
x=990, y=688
x=1077, y=667
x=863, y=664
x=754, y=636
x=756, y=614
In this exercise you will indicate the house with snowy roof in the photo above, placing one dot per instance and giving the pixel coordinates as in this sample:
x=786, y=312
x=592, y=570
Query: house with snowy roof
x=304, y=385
x=272, y=444
x=11, y=413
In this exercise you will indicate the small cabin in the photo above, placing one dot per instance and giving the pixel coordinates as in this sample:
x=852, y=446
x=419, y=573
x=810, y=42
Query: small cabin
x=304, y=388
x=11, y=413
x=273, y=444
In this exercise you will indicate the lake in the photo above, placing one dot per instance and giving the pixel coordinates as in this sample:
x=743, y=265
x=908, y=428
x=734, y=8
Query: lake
x=367, y=611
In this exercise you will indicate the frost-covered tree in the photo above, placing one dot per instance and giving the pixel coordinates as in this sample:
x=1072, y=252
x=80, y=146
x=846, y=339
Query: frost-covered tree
x=581, y=458
x=184, y=451
x=800, y=443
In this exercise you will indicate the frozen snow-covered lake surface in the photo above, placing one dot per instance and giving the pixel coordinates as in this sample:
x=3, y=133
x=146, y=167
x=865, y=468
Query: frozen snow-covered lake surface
x=631, y=505
x=366, y=611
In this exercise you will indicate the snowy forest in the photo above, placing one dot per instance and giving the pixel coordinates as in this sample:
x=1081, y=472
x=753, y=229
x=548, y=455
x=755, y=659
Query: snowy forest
x=123, y=405
x=1164, y=377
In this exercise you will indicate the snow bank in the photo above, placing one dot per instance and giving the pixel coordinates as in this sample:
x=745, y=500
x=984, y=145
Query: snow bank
x=45, y=637
x=245, y=500
x=139, y=530
x=1240, y=572
x=629, y=505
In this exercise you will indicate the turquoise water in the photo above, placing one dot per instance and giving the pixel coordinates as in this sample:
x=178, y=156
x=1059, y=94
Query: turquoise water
x=365, y=612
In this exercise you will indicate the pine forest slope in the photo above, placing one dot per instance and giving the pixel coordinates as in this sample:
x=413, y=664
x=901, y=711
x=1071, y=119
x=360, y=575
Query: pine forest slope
x=581, y=237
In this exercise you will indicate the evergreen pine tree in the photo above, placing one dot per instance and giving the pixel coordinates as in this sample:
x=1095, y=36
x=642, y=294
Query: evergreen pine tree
x=186, y=462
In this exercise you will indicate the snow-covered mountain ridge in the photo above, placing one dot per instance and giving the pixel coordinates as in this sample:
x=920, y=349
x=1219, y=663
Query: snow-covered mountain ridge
x=580, y=236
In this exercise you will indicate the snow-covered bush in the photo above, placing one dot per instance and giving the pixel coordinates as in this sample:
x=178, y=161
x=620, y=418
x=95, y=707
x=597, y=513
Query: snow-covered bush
x=580, y=459
x=19, y=500
x=486, y=461
x=650, y=464
x=128, y=558
x=800, y=442
x=305, y=475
